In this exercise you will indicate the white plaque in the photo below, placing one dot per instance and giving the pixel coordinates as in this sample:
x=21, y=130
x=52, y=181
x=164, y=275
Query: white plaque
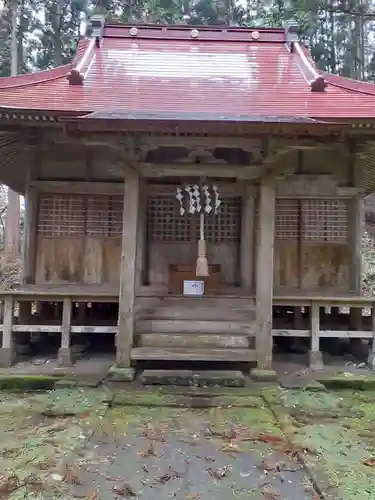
x=193, y=288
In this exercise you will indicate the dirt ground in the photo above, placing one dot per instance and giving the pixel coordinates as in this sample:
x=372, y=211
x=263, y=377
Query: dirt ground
x=77, y=443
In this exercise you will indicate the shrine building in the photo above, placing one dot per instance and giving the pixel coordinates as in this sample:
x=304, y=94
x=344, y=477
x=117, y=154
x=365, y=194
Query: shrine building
x=191, y=192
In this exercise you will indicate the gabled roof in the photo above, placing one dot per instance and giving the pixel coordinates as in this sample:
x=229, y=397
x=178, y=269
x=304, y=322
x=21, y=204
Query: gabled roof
x=213, y=71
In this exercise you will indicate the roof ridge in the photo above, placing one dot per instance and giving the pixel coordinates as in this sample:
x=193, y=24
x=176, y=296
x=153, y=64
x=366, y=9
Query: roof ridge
x=79, y=67
x=342, y=82
x=26, y=79
x=308, y=68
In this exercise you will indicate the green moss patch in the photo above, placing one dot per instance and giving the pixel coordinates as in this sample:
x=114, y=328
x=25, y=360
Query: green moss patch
x=338, y=431
x=143, y=398
x=349, y=381
x=27, y=383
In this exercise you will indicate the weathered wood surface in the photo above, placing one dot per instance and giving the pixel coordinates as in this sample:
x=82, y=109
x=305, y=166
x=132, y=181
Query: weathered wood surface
x=203, y=309
x=190, y=354
x=80, y=260
x=195, y=326
x=128, y=270
x=191, y=340
x=265, y=275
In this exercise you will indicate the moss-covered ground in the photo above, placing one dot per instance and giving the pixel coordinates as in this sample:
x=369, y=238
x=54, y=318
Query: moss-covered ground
x=335, y=435
x=74, y=443
x=93, y=444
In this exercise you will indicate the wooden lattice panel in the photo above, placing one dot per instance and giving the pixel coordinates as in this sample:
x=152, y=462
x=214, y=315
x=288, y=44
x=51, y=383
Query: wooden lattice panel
x=104, y=216
x=164, y=221
x=226, y=225
x=166, y=224
x=61, y=215
x=287, y=220
x=325, y=220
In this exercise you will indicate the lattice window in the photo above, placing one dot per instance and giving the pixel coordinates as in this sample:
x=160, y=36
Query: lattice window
x=61, y=215
x=164, y=221
x=226, y=225
x=104, y=216
x=325, y=220
x=286, y=223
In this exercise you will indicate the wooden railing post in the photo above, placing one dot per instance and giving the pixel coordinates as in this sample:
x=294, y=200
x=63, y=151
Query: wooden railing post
x=315, y=355
x=7, y=352
x=65, y=355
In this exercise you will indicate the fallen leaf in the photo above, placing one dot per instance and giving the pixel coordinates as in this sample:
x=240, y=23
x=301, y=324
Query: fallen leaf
x=8, y=484
x=71, y=475
x=230, y=447
x=150, y=452
x=269, y=438
x=93, y=496
x=370, y=462
x=167, y=477
x=123, y=490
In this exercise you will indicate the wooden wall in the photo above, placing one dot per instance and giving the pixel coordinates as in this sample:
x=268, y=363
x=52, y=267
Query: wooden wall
x=173, y=239
x=79, y=239
x=312, y=248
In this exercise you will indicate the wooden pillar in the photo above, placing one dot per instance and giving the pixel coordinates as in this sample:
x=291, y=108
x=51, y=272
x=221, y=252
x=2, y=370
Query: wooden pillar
x=29, y=243
x=264, y=275
x=315, y=355
x=141, y=236
x=7, y=352
x=247, y=242
x=65, y=355
x=355, y=233
x=125, y=334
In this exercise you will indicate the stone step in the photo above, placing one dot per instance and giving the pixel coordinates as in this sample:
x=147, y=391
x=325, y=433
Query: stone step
x=192, y=354
x=196, y=326
x=192, y=340
x=223, y=378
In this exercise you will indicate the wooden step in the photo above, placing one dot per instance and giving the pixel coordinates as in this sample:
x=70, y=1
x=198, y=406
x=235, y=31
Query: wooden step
x=201, y=313
x=192, y=340
x=196, y=326
x=185, y=354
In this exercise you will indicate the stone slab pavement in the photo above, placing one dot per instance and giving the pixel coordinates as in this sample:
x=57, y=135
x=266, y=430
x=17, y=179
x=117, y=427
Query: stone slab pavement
x=67, y=444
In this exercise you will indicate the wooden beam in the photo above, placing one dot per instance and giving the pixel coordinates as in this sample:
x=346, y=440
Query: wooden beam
x=77, y=187
x=196, y=170
x=225, y=189
x=264, y=275
x=125, y=335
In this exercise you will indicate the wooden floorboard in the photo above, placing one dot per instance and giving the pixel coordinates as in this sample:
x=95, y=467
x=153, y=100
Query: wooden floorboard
x=190, y=354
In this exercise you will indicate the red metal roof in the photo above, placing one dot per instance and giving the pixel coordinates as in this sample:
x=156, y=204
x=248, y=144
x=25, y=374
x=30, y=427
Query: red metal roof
x=222, y=72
